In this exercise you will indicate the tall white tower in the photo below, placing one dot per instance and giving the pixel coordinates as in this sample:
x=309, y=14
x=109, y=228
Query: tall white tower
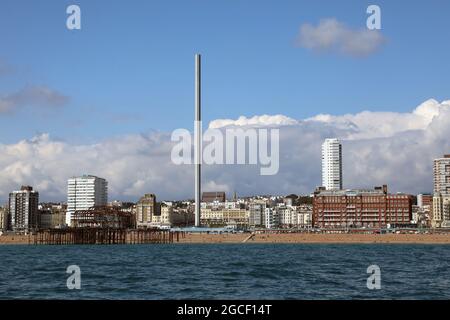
x=85, y=192
x=332, y=164
x=198, y=139
x=441, y=170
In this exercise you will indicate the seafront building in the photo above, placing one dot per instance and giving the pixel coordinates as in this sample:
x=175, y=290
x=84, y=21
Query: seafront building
x=272, y=218
x=256, y=215
x=441, y=195
x=441, y=211
x=4, y=215
x=146, y=208
x=304, y=216
x=361, y=208
x=332, y=164
x=51, y=215
x=23, y=208
x=85, y=192
x=441, y=170
x=219, y=217
x=151, y=214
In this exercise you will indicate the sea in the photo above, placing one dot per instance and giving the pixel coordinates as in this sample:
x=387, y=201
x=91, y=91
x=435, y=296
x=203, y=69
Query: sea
x=225, y=271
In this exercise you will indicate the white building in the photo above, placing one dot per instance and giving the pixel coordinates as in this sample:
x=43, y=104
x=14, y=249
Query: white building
x=287, y=216
x=272, y=218
x=441, y=196
x=85, y=192
x=304, y=216
x=441, y=170
x=332, y=164
x=441, y=211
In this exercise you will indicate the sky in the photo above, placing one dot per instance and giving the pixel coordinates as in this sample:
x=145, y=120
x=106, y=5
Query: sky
x=104, y=99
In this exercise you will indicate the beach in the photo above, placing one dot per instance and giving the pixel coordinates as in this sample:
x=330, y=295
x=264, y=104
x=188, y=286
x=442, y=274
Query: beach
x=318, y=238
x=14, y=239
x=288, y=238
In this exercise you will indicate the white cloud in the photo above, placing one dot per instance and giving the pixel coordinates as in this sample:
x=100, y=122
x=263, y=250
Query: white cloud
x=332, y=35
x=369, y=124
x=378, y=147
x=256, y=121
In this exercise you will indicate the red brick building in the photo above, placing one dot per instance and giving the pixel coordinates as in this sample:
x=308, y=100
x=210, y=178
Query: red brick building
x=360, y=208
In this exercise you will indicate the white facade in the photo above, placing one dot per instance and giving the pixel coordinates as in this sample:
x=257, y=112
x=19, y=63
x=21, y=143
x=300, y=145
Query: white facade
x=441, y=211
x=441, y=172
x=332, y=164
x=287, y=216
x=85, y=192
x=272, y=218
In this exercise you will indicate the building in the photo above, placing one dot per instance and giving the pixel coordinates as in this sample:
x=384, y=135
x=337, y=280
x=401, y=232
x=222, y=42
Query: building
x=441, y=195
x=441, y=170
x=332, y=164
x=272, y=218
x=421, y=216
x=304, y=216
x=441, y=210
x=3, y=219
x=23, y=208
x=257, y=212
x=287, y=216
x=422, y=213
x=224, y=217
x=209, y=197
x=85, y=192
x=171, y=217
x=51, y=215
x=424, y=200
x=146, y=208
x=360, y=208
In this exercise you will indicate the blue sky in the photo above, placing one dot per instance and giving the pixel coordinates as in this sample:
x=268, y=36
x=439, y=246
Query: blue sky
x=130, y=68
x=103, y=100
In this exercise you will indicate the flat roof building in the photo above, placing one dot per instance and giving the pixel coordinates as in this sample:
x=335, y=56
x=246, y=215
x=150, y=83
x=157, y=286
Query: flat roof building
x=85, y=192
x=23, y=208
x=374, y=208
x=332, y=164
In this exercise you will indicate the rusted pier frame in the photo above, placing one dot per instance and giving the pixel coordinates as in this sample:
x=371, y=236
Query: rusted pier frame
x=104, y=236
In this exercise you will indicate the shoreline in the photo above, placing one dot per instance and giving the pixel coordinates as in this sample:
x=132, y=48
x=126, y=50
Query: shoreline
x=285, y=238
x=310, y=238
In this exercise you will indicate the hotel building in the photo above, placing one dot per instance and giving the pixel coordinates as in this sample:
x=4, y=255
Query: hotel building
x=360, y=208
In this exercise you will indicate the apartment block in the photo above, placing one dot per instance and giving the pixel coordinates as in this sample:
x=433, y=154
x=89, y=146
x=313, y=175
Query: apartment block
x=23, y=208
x=332, y=164
x=84, y=193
